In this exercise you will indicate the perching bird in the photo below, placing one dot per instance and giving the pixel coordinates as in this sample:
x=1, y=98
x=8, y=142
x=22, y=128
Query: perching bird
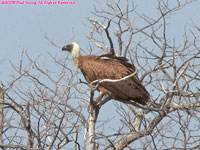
x=110, y=67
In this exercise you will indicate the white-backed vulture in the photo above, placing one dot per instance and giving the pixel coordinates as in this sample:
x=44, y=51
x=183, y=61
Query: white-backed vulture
x=110, y=67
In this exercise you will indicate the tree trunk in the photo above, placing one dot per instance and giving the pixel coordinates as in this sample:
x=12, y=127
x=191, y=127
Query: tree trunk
x=94, y=111
x=1, y=113
x=91, y=130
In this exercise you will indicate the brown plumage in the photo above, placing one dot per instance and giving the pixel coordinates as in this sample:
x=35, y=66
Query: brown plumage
x=110, y=67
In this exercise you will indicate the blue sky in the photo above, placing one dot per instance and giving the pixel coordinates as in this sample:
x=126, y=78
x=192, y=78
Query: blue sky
x=23, y=26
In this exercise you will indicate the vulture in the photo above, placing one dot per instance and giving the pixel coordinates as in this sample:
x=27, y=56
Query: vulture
x=108, y=66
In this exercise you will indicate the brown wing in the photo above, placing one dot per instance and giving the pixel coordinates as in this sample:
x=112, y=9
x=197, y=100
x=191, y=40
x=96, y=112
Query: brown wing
x=94, y=68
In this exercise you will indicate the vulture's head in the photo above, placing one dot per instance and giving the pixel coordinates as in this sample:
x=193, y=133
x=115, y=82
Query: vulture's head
x=74, y=49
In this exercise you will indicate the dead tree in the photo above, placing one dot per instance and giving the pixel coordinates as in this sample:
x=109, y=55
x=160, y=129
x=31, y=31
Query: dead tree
x=45, y=106
x=171, y=73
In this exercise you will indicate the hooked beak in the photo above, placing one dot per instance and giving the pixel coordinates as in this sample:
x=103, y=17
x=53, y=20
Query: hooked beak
x=67, y=48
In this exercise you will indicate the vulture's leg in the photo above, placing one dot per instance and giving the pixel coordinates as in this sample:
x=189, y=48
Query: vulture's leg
x=105, y=100
x=99, y=98
x=100, y=101
x=95, y=102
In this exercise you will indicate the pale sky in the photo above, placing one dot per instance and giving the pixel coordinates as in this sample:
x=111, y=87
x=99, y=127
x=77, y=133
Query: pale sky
x=23, y=26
